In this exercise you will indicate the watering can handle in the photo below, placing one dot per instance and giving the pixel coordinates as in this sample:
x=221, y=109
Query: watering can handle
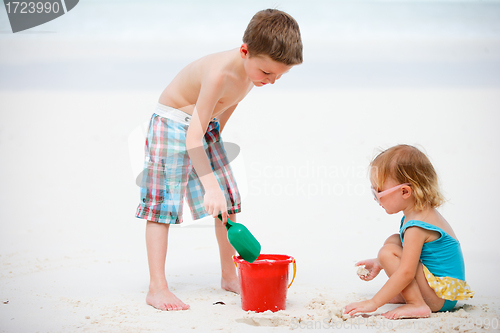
x=294, y=271
x=228, y=223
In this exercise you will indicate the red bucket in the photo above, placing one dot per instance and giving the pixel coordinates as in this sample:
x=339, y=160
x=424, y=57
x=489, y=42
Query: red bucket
x=264, y=282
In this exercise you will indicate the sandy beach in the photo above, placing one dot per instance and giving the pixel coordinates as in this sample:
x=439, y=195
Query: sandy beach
x=73, y=256
x=74, y=259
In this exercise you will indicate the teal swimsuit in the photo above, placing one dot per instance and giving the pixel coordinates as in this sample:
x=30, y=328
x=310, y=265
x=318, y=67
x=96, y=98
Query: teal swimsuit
x=444, y=262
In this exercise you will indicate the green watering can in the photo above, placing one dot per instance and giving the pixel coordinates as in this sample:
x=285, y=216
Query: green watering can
x=242, y=240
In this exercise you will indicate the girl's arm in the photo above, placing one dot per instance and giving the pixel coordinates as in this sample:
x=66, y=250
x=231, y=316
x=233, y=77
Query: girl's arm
x=414, y=239
x=372, y=265
x=403, y=275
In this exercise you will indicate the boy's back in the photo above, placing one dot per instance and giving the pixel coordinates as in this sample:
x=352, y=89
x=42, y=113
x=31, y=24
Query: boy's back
x=214, y=69
x=220, y=78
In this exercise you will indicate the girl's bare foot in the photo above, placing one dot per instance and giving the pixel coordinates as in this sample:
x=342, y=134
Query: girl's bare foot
x=398, y=299
x=409, y=311
x=232, y=285
x=163, y=299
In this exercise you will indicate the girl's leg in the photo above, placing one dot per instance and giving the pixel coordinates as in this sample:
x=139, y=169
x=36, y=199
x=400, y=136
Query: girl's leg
x=419, y=301
x=428, y=294
x=229, y=280
x=159, y=296
x=395, y=239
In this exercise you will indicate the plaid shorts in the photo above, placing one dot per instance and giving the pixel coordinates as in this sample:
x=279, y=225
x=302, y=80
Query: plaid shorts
x=168, y=173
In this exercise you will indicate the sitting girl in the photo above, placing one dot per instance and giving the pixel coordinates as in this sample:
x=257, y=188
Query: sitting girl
x=424, y=261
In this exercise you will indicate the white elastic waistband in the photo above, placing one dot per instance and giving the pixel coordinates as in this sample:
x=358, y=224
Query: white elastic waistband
x=173, y=113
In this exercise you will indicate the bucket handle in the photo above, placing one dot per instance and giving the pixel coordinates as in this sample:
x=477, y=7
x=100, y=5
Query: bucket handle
x=294, y=271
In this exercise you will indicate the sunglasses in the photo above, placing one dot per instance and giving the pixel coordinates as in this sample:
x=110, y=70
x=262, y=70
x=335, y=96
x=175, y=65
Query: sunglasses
x=378, y=195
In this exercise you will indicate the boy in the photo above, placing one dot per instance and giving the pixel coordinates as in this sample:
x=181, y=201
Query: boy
x=184, y=153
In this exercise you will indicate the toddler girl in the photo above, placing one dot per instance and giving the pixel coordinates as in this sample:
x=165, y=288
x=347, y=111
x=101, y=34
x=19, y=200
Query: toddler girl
x=424, y=261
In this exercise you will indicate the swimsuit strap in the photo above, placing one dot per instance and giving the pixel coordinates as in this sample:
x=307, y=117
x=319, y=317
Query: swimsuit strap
x=423, y=225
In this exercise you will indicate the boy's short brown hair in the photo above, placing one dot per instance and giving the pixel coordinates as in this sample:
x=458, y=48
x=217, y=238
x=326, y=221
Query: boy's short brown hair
x=276, y=34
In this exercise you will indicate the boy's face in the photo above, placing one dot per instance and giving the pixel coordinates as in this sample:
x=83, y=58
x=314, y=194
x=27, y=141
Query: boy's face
x=261, y=69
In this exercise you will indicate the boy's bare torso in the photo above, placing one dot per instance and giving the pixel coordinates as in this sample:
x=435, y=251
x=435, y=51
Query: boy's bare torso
x=183, y=92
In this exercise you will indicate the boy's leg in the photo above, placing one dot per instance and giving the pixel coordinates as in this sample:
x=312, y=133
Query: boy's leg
x=419, y=301
x=159, y=296
x=195, y=196
x=229, y=280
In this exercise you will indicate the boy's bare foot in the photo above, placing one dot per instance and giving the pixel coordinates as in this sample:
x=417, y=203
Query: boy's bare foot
x=230, y=285
x=398, y=299
x=409, y=311
x=164, y=300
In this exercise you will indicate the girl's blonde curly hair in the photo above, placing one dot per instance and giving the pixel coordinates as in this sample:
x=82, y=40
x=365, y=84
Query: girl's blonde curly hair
x=407, y=164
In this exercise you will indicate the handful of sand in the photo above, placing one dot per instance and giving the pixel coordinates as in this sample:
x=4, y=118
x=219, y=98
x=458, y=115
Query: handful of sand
x=362, y=271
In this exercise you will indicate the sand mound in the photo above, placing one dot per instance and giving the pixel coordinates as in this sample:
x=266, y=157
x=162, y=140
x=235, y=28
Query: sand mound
x=267, y=318
x=323, y=312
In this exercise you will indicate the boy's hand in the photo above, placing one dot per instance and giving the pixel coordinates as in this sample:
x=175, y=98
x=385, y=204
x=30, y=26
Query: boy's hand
x=373, y=267
x=360, y=307
x=215, y=203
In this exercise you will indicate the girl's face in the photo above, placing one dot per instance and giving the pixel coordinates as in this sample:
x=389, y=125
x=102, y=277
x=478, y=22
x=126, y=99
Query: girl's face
x=395, y=201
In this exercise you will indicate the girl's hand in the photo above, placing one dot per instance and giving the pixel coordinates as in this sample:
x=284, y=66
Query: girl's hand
x=360, y=307
x=373, y=267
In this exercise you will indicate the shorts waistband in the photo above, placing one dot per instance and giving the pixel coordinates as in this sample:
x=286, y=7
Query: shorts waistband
x=173, y=114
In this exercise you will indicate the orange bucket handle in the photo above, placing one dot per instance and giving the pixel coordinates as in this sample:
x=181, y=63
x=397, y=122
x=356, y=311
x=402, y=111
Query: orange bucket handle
x=294, y=271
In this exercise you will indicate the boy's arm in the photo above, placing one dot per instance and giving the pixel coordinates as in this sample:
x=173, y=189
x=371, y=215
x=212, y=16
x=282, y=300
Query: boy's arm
x=210, y=92
x=224, y=117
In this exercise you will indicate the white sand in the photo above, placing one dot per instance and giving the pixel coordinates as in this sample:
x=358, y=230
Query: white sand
x=72, y=254
x=73, y=258
x=362, y=271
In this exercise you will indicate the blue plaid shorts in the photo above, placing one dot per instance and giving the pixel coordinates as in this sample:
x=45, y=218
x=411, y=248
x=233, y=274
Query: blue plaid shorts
x=169, y=176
